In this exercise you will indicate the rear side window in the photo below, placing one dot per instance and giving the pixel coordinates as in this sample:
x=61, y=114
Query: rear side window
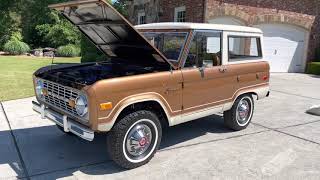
x=244, y=48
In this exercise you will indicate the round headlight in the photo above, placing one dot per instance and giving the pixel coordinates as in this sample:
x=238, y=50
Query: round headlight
x=81, y=105
x=39, y=88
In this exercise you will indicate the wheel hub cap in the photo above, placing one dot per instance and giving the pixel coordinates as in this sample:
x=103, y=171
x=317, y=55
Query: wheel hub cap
x=243, y=111
x=138, y=140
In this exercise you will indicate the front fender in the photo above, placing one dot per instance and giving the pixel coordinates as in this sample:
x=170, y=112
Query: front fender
x=106, y=123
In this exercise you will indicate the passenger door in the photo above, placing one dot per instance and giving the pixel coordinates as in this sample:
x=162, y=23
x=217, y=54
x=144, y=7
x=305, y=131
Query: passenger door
x=207, y=83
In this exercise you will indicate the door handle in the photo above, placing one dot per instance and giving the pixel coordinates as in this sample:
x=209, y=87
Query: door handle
x=222, y=69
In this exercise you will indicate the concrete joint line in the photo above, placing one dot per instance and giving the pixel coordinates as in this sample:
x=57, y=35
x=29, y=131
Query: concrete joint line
x=215, y=140
x=70, y=168
x=295, y=94
x=279, y=131
x=296, y=125
x=16, y=145
x=110, y=161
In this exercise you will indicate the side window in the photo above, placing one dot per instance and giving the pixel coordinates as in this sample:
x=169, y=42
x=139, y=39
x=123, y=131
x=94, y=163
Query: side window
x=242, y=48
x=205, y=50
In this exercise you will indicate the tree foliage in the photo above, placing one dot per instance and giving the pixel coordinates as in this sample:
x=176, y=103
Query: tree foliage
x=32, y=22
x=9, y=20
x=60, y=32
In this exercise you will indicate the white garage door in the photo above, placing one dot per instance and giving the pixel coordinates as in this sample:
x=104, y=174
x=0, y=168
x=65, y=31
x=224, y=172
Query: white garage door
x=284, y=47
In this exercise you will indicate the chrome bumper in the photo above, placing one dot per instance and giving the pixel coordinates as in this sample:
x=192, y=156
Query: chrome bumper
x=63, y=121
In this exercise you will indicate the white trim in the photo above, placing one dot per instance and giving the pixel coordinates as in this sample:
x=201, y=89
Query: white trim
x=203, y=26
x=195, y=115
x=225, y=50
x=108, y=126
x=174, y=120
x=261, y=93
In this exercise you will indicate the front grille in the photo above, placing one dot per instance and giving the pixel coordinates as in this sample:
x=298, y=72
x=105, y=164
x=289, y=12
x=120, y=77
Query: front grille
x=59, y=96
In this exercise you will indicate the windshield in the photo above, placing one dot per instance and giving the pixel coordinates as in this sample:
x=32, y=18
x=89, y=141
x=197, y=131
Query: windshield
x=169, y=43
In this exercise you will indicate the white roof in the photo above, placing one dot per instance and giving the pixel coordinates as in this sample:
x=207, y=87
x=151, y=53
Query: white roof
x=204, y=26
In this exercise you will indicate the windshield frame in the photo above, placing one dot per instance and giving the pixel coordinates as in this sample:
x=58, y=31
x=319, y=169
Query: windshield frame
x=177, y=62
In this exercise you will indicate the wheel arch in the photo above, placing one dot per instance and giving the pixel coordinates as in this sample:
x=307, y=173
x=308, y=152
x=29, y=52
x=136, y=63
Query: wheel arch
x=155, y=101
x=259, y=92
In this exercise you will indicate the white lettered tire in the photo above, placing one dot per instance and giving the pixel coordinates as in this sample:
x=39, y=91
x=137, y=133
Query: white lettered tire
x=134, y=139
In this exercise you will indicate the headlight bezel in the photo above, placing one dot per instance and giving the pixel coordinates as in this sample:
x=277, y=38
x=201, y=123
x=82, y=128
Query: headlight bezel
x=82, y=105
x=39, y=88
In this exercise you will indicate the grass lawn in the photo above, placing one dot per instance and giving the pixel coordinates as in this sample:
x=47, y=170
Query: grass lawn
x=16, y=74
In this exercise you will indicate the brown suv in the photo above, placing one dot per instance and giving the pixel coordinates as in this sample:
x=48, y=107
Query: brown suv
x=155, y=75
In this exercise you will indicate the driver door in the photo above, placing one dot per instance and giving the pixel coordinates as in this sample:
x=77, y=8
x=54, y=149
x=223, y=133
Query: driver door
x=207, y=83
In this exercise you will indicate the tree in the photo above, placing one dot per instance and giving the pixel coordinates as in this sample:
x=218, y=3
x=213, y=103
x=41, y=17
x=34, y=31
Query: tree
x=58, y=33
x=88, y=51
x=122, y=7
x=10, y=20
x=36, y=12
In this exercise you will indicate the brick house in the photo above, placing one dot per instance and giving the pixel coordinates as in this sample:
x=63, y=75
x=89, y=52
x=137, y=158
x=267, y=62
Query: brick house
x=291, y=27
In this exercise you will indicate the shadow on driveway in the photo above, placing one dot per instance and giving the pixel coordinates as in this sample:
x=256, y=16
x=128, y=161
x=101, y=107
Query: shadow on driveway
x=47, y=150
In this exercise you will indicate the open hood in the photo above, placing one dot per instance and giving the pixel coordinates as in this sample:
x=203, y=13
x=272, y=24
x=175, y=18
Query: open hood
x=110, y=31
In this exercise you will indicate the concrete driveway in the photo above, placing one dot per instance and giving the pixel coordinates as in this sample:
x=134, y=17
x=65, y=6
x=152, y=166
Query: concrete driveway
x=283, y=142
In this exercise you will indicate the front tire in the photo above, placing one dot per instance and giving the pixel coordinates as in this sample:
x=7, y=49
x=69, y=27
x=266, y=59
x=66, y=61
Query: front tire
x=240, y=115
x=133, y=140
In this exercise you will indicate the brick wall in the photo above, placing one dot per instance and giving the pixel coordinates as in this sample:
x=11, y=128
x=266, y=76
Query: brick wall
x=194, y=10
x=302, y=13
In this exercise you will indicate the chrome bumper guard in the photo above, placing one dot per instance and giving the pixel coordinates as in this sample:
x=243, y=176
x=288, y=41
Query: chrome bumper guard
x=63, y=121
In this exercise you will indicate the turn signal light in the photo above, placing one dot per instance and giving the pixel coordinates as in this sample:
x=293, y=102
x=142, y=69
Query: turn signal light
x=106, y=106
x=265, y=78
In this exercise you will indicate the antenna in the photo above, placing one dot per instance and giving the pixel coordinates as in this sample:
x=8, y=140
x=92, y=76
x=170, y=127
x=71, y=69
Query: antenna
x=52, y=60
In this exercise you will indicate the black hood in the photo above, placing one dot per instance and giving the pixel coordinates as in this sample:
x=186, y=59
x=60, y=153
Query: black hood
x=110, y=31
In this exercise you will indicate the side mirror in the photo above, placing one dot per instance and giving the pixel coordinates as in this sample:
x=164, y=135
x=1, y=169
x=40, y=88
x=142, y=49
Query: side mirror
x=201, y=69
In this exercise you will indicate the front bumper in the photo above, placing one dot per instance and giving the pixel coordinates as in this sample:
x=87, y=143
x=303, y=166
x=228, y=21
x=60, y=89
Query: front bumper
x=68, y=124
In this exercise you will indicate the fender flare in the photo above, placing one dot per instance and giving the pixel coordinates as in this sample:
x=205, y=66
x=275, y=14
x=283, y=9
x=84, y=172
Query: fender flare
x=260, y=91
x=126, y=102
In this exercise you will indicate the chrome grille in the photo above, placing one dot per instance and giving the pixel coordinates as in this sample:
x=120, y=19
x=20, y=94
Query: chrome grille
x=59, y=96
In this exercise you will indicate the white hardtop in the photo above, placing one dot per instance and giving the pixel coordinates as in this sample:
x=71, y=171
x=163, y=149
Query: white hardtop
x=195, y=26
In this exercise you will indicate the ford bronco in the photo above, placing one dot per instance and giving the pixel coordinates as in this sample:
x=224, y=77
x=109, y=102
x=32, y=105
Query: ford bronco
x=154, y=75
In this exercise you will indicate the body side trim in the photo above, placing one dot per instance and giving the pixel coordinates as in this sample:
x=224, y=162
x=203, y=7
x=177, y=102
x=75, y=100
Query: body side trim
x=261, y=92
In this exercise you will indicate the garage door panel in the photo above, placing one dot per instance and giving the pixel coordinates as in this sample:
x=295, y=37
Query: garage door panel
x=284, y=47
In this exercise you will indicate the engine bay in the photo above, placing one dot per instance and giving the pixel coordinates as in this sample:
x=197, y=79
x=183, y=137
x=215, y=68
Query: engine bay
x=80, y=75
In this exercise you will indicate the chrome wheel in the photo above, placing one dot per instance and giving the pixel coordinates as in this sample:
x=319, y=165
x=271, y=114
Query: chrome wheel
x=244, y=111
x=140, y=140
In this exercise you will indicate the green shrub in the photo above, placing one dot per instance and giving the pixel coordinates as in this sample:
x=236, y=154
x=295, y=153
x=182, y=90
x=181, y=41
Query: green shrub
x=69, y=50
x=89, y=53
x=314, y=68
x=317, y=54
x=15, y=47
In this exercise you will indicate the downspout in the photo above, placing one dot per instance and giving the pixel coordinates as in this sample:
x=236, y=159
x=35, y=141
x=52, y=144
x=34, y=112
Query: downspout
x=204, y=11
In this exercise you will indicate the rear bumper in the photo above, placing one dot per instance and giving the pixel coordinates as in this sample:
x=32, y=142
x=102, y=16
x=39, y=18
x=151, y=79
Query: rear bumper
x=68, y=124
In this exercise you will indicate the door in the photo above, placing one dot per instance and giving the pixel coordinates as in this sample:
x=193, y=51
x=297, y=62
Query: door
x=284, y=47
x=207, y=84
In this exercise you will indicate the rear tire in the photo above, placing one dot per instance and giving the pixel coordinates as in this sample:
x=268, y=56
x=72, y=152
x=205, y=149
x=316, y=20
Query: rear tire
x=240, y=115
x=133, y=140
